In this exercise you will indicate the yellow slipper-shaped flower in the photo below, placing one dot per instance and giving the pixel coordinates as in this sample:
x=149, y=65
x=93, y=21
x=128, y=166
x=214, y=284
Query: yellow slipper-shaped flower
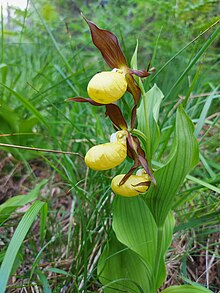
x=133, y=186
x=108, y=155
x=107, y=87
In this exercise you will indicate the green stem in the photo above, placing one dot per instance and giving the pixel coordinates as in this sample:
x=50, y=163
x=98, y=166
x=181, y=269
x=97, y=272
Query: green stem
x=141, y=135
x=147, y=134
x=158, y=256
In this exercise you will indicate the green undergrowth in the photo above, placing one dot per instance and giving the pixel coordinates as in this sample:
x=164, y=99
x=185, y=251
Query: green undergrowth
x=52, y=231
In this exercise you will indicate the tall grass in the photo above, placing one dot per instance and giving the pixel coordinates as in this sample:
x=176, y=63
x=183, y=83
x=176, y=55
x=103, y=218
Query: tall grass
x=46, y=57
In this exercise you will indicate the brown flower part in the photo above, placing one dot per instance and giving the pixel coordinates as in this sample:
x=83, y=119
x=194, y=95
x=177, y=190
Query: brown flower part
x=83, y=100
x=115, y=114
x=136, y=153
x=108, y=45
x=112, y=111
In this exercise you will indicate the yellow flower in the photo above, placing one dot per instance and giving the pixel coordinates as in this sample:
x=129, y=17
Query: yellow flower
x=107, y=87
x=109, y=155
x=133, y=186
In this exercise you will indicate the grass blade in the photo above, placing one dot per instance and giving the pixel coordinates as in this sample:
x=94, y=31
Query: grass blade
x=185, y=47
x=203, y=183
x=195, y=59
x=16, y=242
x=204, y=112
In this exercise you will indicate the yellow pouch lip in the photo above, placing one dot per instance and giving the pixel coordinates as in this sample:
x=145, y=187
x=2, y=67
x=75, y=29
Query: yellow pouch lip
x=107, y=86
x=109, y=155
x=133, y=186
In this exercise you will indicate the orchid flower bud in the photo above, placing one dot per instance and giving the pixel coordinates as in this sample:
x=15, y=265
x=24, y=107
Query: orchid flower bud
x=133, y=186
x=107, y=87
x=108, y=155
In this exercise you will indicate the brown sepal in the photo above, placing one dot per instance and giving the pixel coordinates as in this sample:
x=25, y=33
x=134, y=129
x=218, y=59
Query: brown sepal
x=115, y=114
x=84, y=100
x=144, y=183
x=138, y=155
x=140, y=73
x=133, y=88
x=108, y=45
x=131, y=147
x=142, y=159
x=130, y=172
x=133, y=116
x=136, y=93
x=132, y=154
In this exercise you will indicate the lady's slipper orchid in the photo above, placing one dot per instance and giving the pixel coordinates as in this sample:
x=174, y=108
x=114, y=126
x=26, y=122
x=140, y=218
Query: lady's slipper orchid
x=107, y=87
x=134, y=185
x=108, y=45
x=104, y=89
x=109, y=155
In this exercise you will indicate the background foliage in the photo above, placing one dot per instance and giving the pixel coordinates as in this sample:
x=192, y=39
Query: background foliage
x=46, y=57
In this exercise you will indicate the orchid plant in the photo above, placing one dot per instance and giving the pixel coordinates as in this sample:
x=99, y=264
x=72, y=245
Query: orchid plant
x=133, y=260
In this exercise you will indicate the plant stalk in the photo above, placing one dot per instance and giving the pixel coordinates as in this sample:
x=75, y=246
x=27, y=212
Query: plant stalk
x=159, y=255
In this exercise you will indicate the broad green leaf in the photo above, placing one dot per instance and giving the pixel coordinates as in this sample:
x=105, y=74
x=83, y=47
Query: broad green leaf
x=135, y=227
x=16, y=242
x=14, y=121
x=120, y=268
x=168, y=232
x=184, y=156
x=134, y=64
x=162, y=247
x=18, y=201
x=9, y=117
x=148, y=114
x=26, y=104
x=186, y=289
x=134, y=58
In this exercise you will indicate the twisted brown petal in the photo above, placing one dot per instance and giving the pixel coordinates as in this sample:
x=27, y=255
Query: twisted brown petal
x=133, y=88
x=130, y=172
x=142, y=159
x=132, y=154
x=140, y=73
x=136, y=93
x=133, y=116
x=115, y=114
x=83, y=100
x=108, y=45
x=138, y=155
x=144, y=183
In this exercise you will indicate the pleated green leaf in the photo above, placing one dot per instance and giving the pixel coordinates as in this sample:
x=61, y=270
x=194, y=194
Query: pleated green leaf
x=135, y=227
x=162, y=247
x=186, y=289
x=119, y=268
x=167, y=232
x=148, y=114
x=184, y=156
x=16, y=242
